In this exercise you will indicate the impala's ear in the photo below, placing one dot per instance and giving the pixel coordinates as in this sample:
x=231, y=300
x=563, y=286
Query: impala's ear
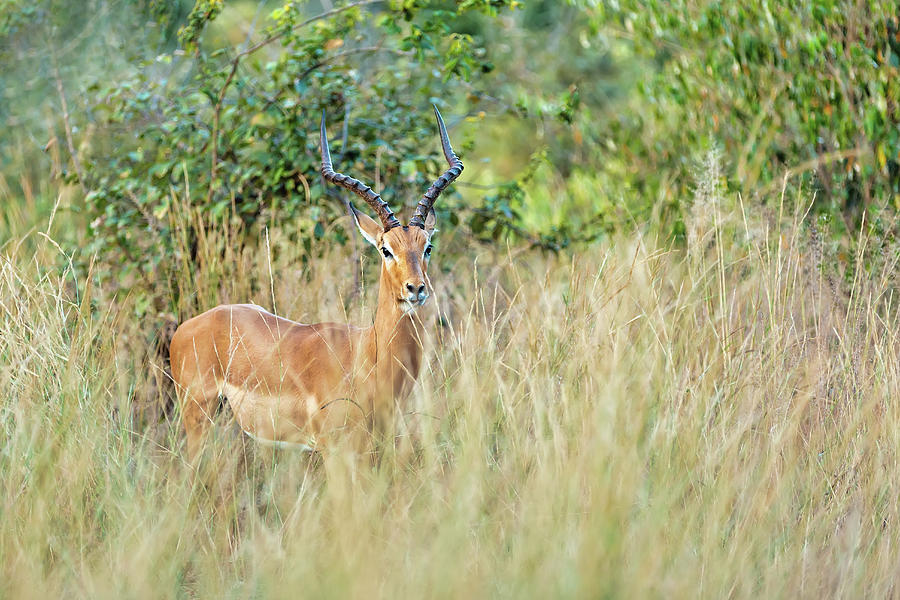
x=429, y=222
x=367, y=226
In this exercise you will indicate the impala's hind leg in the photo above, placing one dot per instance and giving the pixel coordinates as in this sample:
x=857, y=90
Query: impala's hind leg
x=198, y=407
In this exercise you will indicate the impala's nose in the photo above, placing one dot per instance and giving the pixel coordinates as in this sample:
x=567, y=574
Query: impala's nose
x=416, y=291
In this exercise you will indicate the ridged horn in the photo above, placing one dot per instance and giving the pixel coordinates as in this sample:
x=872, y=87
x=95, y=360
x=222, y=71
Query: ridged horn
x=456, y=168
x=381, y=208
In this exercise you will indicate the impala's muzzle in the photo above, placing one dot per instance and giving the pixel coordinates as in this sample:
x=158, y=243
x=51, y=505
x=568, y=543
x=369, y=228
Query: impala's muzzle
x=416, y=292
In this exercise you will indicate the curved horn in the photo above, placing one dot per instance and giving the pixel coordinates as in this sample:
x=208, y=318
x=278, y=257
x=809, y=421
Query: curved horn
x=381, y=208
x=456, y=168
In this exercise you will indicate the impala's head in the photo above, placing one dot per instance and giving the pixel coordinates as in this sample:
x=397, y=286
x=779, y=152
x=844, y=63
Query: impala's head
x=405, y=252
x=405, y=249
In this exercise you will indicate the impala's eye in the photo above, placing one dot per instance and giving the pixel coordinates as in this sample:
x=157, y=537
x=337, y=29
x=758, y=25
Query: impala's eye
x=427, y=251
x=386, y=252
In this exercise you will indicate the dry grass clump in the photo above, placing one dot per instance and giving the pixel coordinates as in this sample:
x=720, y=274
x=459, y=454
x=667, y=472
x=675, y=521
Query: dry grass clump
x=623, y=421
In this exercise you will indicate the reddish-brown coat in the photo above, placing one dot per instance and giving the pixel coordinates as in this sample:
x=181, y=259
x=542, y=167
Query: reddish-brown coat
x=303, y=384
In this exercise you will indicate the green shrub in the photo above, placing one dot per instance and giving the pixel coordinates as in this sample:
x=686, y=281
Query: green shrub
x=239, y=126
x=796, y=88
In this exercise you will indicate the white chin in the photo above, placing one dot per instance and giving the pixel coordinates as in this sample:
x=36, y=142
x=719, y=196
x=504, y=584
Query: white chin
x=407, y=307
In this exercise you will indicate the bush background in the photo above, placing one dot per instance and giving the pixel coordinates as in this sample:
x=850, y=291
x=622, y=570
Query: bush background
x=575, y=120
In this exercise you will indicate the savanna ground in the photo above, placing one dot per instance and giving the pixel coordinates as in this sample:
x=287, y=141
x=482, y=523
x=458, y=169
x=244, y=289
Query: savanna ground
x=628, y=420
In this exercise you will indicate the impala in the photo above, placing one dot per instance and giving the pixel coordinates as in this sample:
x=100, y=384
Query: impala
x=295, y=385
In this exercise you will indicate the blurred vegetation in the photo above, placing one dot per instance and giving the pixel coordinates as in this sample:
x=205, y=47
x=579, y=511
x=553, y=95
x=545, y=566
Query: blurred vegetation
x=784, y=88
x=574, y=119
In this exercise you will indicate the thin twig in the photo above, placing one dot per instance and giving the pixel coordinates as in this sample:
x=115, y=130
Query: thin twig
x=318, y=17
x=345, y=132
x=481, y=186
x=814, y=163
x=334, y=57
x=149, y=217
x=217, y=110
x=213, y=168
x=66, y=123
x=277, y=96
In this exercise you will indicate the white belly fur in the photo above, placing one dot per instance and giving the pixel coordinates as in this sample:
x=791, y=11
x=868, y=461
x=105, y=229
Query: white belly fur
x=278, y=443
x=266, y=418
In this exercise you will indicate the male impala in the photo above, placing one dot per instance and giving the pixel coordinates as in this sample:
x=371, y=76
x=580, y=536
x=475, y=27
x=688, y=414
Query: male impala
x=297, y=385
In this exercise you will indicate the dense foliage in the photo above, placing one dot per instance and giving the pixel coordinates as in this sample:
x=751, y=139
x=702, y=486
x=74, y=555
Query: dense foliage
x=239, y=125
x=780, y=87
x=575, y=119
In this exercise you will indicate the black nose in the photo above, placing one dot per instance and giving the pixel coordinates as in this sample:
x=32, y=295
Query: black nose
x=418, y=292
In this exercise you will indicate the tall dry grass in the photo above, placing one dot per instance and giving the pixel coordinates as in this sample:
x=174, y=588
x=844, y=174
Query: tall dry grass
x=628, y=420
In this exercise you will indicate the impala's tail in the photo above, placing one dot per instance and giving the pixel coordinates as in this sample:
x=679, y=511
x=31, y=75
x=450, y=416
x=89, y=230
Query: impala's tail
x=162, y=367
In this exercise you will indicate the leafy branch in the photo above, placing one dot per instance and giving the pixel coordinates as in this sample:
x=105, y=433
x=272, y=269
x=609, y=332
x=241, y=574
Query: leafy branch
x=235, y=63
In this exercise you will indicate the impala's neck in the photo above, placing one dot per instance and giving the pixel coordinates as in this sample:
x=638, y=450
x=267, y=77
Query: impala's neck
x=397, y=344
